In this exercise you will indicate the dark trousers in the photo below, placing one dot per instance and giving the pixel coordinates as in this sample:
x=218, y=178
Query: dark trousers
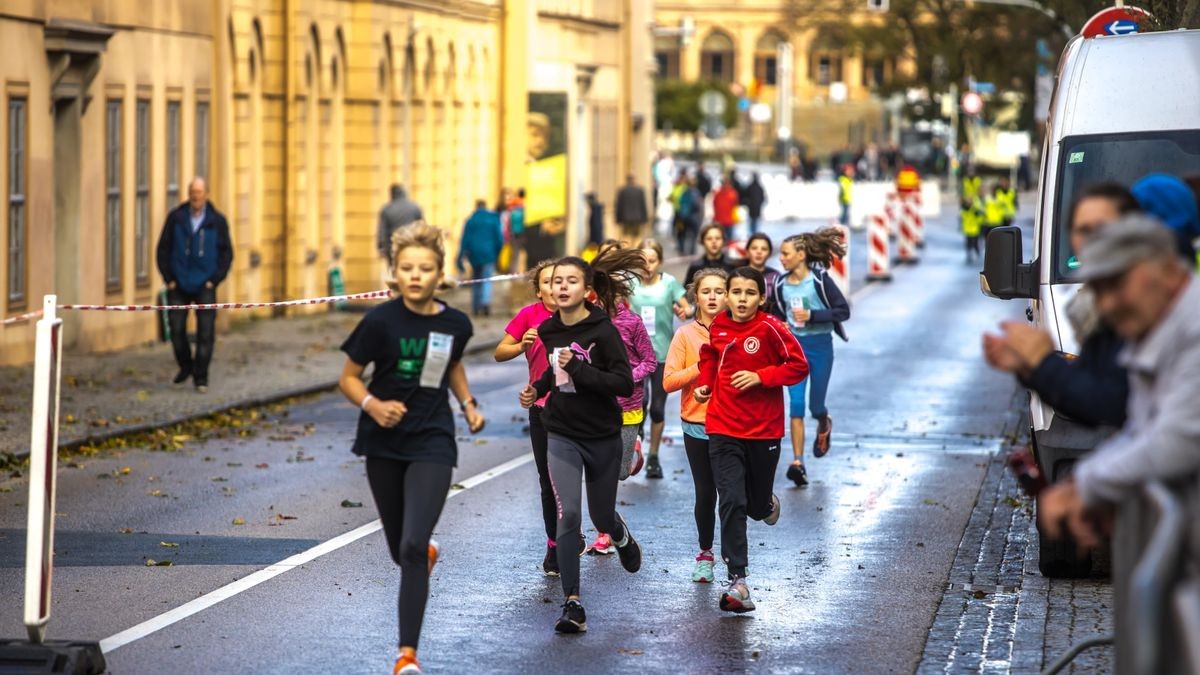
x=754, y=221
x=410, y=497
x=744, y=471
x=538, y=439
x=205, y=331
x=706, y=489
x=972, y=247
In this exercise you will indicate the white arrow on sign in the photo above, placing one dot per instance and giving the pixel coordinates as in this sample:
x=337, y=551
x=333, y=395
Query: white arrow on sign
x=1121, y=28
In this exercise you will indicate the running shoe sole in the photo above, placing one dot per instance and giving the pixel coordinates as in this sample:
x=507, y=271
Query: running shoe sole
x=434, y=551
x=821, y=442
x=776, y=509
x=602, y=551
x=797, y=475
x=631, y=553
x=736, y=605
x=705, y=577
x=570, y=627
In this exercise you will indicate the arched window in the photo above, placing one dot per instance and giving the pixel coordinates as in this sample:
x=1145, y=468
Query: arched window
x=716, y=58
x=666, y=53
x=825, y=57
x=766, y=58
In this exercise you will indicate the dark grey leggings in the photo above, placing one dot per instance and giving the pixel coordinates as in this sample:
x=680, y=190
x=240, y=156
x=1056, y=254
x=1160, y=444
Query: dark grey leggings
x=596, y=462
x=409, y=496
x=706, y=489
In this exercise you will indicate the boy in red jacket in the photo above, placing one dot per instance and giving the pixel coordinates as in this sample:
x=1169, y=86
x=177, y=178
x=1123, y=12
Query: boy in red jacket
x=750, y=358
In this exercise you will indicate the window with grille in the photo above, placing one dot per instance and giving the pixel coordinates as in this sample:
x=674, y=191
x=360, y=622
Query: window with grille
x=172, y=154
x=112, y=185
x=141, y=224
x=17, y=230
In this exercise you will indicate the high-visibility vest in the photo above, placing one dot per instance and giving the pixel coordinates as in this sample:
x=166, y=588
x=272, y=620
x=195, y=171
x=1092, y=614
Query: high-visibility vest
x=846, y=185
x=993, y=211
x=1008, y=198
x=970, y=188
x=972, y=218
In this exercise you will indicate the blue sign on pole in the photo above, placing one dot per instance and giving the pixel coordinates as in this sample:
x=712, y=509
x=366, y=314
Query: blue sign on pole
x=743, y=103
x=985, y=87
x=1121, y=28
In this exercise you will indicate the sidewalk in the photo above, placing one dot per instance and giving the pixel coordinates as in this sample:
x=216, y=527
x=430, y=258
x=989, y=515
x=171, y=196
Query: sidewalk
x=257, y=362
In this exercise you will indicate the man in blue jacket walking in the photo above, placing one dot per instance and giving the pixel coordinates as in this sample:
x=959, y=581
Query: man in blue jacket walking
x=481, y=242
x=194, y=255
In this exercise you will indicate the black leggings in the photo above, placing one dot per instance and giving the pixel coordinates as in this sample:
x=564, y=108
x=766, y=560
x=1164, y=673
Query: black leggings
x=595, y=462
x=655, y=400
x=537, y=438
x=706, y=489
x=409, y=496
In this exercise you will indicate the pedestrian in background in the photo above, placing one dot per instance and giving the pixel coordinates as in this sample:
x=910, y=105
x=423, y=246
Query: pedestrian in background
x=845, y=193
x=589, y=369
x=712, y=239
x=482, y=239
x=516, y=229
x=750, y=357
x=406, y=428
x=753, y=198
x=971, y=221
x=193, y=256
x=703, y=185
x=658, y=299
x=691, y=214
x=725, y=204
x=397, y=213
x=681, y=373
x=993, y=210
x=1007, y=195
x=812, y=306
x=630, y=209
x=595, y=219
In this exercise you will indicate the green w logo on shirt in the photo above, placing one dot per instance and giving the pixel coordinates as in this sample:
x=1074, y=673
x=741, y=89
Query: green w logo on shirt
x=412, y=357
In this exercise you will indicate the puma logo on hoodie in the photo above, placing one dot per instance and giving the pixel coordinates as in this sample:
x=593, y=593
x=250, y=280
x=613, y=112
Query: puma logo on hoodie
x=585, y=354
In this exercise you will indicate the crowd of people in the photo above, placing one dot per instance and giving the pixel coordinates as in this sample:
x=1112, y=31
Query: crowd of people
x=603, y=352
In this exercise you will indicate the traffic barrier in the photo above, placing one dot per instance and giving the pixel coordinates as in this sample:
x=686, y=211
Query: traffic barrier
x=907, y=240
x=918, y=219
x=878, y=260
x=839, y=268
x=891, y=210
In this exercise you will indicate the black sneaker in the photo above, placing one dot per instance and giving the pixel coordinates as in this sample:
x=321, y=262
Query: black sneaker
x=798, y=475
x=824, y=431
x=653, y=468
x=573, y=619
x=629, y=552
x=550, y=562
x=182, y=376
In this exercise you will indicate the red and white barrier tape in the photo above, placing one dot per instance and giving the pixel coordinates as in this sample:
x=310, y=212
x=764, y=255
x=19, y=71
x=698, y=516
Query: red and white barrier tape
x=20, y=317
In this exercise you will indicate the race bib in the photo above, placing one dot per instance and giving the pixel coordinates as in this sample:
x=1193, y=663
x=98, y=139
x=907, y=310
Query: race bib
x=649, y=319
x=562, y=379
x=437, y=358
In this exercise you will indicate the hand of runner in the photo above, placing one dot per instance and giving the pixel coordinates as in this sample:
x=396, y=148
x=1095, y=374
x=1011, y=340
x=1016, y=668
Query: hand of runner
x=702, y=394
x=528, y=339
x=564, y=357
x=386, y=414
x=475, y=420
x=801, y=314
x=682, y=309
x=528, y=396
x=745, y=379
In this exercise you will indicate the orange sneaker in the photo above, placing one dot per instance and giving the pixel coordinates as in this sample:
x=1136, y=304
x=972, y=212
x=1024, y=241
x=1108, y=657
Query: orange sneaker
x=434, y=549
x=406, y=665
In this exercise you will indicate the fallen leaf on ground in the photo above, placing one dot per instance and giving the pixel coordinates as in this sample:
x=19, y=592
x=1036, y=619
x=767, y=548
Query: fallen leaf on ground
x=633, y=652
x=156, y=493
x=929, y=502
x=239, y=521
x=220, y=479
x=264, y=465
x=284, y=517
x=233, y=464
x=125, y=471
x=161, y=563
x=347, y=504
x=125, y=530
x=457, y=486
x=168, y=544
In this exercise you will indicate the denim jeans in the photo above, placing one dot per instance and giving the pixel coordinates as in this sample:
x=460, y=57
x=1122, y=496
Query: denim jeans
x=818, y=349
x=481, y=294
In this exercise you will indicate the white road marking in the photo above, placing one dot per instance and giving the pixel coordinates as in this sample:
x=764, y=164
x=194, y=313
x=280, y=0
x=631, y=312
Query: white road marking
x=246, y=583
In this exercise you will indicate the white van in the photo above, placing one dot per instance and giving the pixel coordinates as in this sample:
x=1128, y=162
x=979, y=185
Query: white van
x=1123, y=107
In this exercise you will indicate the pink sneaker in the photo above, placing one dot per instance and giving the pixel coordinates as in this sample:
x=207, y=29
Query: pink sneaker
x=602, y=546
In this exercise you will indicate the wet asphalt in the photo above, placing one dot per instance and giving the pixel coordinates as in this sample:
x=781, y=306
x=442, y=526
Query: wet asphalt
x=847, y=582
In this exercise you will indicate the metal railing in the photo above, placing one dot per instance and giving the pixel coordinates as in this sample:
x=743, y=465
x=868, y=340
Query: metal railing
x=1156, y=588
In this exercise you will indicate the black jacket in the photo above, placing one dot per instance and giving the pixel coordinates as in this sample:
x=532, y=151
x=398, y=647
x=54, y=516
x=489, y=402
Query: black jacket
x=753, y=198
x=630, y=206
x=599, y=371
x=831, y=295
x=704, y=263
x=1092, y=389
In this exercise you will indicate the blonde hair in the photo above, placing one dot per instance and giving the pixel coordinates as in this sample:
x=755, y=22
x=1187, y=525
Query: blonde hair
x=535, y=273
x=419, y=234
x=653, y=245
x=705, y=273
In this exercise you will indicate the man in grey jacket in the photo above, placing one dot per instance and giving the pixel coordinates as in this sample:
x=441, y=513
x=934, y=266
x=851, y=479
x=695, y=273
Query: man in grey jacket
x=395, y=214
x=1150, y=297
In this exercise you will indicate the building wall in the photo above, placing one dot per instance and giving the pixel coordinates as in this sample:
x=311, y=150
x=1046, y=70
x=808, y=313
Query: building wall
x=314, y=108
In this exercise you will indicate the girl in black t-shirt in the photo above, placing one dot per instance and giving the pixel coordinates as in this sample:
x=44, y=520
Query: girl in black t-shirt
x=406, y=428
x=589, y=369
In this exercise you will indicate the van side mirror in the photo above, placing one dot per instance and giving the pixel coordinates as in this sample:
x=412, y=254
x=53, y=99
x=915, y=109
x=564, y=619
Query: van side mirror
x=1004, y=276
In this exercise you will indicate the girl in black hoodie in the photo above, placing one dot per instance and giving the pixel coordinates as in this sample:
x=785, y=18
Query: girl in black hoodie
x=589, y=370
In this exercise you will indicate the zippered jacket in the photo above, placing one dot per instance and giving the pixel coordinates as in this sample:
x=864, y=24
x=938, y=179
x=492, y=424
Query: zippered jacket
x=838, y=309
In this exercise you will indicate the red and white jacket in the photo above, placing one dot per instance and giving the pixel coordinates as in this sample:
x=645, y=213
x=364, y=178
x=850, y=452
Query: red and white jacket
x=763, y=345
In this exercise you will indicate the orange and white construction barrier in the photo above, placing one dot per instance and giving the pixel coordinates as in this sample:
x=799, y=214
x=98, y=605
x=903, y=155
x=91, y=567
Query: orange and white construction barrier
x=919, y=222
x=878, y=260
x=907, y=238
x=891, y=210
x=839, y=268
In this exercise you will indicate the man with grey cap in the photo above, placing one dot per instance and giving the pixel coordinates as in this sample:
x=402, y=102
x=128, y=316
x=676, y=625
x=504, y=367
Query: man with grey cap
x=1147, y=293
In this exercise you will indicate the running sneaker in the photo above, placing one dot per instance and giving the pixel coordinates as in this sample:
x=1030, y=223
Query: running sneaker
x=703, y=573
x=736, y=597
x=406, y=664
x=550, y=562
x=434, y=549
x=653, y=468
x=824, y=430
x=776, y=507
x=602, y=546
x=798, y=474
x=638, y=458
x=629, y=551
x=573, y=619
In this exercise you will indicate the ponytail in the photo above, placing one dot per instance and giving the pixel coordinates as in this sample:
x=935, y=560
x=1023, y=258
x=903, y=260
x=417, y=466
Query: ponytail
x=820, y=247
x=611, y=273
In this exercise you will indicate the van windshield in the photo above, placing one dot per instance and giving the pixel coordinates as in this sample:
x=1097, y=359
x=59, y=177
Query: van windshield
x=1123, y=158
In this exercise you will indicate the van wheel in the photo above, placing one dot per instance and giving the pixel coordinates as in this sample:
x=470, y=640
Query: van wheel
x=1058, y=558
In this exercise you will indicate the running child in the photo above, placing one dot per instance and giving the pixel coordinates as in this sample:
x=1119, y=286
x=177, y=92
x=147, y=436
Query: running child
x=406, y=428
x=758, y=251
x=712, y=238
x=657, y=298
x=750, y=357
x=643, y=363
x=681, y=374
x=520, y=337
x=814, y=308
x=588, y=370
